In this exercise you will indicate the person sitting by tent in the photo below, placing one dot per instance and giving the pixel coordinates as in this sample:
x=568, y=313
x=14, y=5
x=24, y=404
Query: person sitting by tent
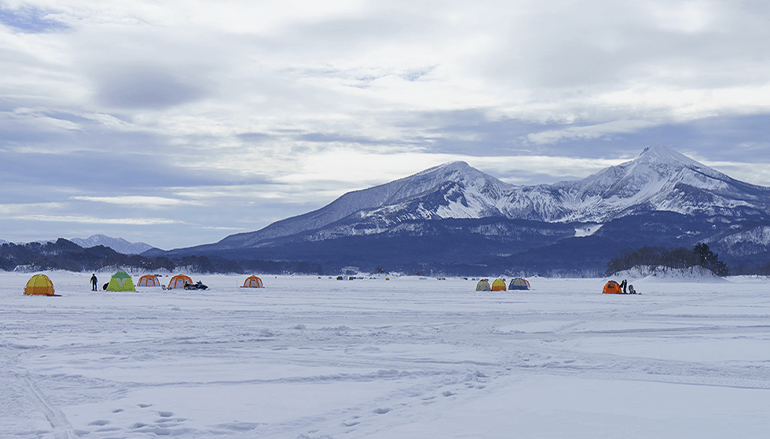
x=93, y=282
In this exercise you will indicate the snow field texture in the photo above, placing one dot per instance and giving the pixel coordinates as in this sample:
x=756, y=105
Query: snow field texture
x=401, y=358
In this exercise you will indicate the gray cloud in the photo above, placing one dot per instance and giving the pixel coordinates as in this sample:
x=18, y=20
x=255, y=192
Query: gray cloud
x=130, y=87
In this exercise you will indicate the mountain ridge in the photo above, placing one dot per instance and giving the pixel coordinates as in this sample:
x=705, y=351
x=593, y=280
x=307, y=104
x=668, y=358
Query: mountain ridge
x=120, y=245
x=683, y=197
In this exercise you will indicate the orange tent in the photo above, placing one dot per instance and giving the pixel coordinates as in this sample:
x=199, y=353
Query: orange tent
x=179, y=281
x=39, y=285
x=148, y=280
x=612, y=287
x=252, y=282
x=498, y=285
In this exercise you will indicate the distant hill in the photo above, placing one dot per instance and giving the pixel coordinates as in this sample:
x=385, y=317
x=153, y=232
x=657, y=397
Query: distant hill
x=120, y=245
x=66, y=255
x=456, y=219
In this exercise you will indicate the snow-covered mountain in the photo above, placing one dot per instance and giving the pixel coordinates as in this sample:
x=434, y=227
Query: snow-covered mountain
x=659, y=180
x=660, y=198
x=395, y=193
x=120, y=245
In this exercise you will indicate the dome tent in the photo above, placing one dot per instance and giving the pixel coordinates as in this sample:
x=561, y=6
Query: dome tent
x=148, y=280
x=253, y=282
x=179, y=281
x=498, y=285
x=120, y=281
x=483, y=285
x=40, y=285
x=519, y=284
x=612, y=287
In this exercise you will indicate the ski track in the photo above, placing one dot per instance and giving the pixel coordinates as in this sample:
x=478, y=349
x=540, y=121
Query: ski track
x=61, y=427
x=471, y=342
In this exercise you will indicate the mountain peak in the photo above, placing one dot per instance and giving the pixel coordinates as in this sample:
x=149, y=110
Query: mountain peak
x=658, y=149
x=660, y=153
x=120, y=245
x=455, y=165
x=453, y=171
x=450, y=167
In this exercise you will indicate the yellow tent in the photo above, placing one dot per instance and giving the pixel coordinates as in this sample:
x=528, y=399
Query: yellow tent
x=39, y=285
x=253, y=282
x=498, y=285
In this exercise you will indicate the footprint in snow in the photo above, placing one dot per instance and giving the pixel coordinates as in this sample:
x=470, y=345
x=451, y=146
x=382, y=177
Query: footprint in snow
x=239, y=426
x=382, y=411
x=165, y=414
x=100, y=422
x=144, y=406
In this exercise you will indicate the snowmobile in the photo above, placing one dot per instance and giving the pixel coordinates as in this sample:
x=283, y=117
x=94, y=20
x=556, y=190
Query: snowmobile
x=196, y=286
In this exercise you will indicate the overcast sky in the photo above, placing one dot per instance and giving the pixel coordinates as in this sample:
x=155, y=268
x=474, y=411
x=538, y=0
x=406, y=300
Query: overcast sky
x=178, y=123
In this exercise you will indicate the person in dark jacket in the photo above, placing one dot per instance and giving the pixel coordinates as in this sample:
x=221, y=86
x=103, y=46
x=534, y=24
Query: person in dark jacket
x=93, y=282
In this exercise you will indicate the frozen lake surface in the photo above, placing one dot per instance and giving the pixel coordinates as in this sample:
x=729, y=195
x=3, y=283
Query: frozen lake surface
x=403, y=358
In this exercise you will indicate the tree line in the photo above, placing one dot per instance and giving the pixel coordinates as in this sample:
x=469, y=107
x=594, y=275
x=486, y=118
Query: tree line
x=66, y=255
x=679, y=257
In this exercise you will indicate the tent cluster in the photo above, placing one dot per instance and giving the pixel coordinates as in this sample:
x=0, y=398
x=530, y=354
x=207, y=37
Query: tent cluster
x=518, y=283
x=499, y=285
x=41, y=285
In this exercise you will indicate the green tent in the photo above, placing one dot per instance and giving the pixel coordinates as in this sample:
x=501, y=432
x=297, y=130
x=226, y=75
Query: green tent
x=121, y=281
x=483, y=285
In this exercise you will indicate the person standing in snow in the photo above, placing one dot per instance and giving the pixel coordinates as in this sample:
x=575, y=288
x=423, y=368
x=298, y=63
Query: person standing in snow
x=623, y=285
x=93, y=282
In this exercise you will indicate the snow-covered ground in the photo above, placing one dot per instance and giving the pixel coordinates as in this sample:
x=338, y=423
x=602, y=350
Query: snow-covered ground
x=401, y=358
